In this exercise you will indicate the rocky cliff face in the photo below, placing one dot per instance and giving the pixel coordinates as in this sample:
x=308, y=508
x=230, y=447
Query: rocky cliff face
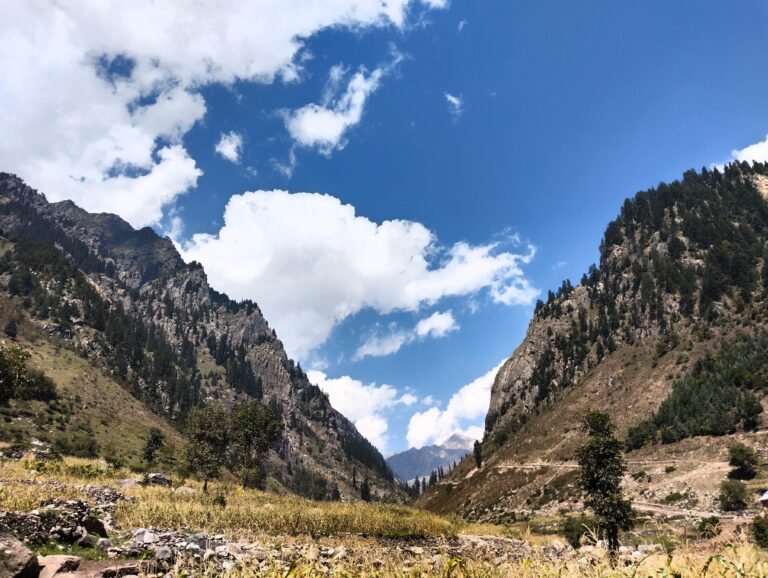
x=678, y=257
x=206, y=345
x=683, y=270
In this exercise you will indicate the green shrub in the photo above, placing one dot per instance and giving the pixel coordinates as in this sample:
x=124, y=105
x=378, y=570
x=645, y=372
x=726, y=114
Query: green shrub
x=709, y=527
x=760, y=531
x=743, y=459
x=673, y=497
x=733, y=496
x=574, y=527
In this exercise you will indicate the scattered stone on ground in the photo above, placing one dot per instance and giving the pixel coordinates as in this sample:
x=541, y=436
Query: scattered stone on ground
x=16, y=560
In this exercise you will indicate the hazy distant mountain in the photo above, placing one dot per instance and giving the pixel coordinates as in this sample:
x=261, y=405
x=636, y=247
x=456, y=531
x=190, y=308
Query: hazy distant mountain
x=420, y=462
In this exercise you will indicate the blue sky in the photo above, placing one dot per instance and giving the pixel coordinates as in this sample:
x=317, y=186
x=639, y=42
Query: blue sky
x=392, y=184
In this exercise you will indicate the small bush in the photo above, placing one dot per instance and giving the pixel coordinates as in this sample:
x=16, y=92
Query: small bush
x=666, y=542
x=743, y=459
x=574, y=528
x=760, y=531
x=641, y=476
x=670, y=469
x=709, y=527
x=733, y=496
x=673, y=497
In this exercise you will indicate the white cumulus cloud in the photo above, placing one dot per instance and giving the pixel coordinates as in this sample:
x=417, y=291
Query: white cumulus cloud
x=323, y=126
x=310, y=261
x=754, y=152
x=365, y=404
x=230, y=146
x=437, y=325
x=465, y=408
x=96, y=96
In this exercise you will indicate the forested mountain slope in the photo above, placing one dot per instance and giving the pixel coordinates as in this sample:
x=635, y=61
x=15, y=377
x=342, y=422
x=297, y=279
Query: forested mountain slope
x=127, y=303
x=667, y=334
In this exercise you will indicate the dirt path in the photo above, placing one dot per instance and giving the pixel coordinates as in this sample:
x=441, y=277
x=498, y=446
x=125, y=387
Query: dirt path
x=573, y=465
x=674, y=511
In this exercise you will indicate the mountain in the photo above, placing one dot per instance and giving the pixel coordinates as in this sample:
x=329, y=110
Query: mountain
x=421, y=462
x=89, y=292
x=668, y=335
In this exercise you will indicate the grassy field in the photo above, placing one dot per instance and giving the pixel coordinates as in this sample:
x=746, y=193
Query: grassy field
x=226, y=508
x=378, y=536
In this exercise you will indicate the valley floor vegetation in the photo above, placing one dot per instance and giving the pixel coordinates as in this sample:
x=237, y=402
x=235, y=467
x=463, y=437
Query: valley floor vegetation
x=381, y=539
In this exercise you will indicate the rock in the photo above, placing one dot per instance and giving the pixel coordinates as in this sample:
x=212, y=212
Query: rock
x=158, y=479
x=121, y=570
x=313, y=554
x=185, y=491
x=415, y=550
x=94, y=526
x=53, y=565
x=16, y=560
x=163, y=553
x=148, y=538
x=341, y=553
x=103, y=544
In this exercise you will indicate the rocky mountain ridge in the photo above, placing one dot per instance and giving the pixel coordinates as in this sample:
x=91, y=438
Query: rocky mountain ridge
x=125, y=299
x=420, y=462
x=683, y=271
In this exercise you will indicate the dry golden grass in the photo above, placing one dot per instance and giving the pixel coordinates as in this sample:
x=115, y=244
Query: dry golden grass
x=364, y=529
x=250, y=513
x=24, y=485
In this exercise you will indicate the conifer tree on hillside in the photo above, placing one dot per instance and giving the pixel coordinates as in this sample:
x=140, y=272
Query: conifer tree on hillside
x=365, y=490
x=601, y=468
x=478, y=451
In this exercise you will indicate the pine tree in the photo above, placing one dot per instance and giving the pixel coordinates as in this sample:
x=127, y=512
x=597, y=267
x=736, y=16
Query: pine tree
x=365, y=490
x=601, y=468
x=478, y=451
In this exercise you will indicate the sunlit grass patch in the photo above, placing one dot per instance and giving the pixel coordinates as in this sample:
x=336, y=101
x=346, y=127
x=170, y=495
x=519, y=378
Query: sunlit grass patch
x=254, y=513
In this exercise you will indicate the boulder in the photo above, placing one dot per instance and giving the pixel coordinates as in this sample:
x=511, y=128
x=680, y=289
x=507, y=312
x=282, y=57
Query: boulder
x=16, y=560
x=53, y=565
x=185, y=490
x=164, y=554
x=158, y=479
